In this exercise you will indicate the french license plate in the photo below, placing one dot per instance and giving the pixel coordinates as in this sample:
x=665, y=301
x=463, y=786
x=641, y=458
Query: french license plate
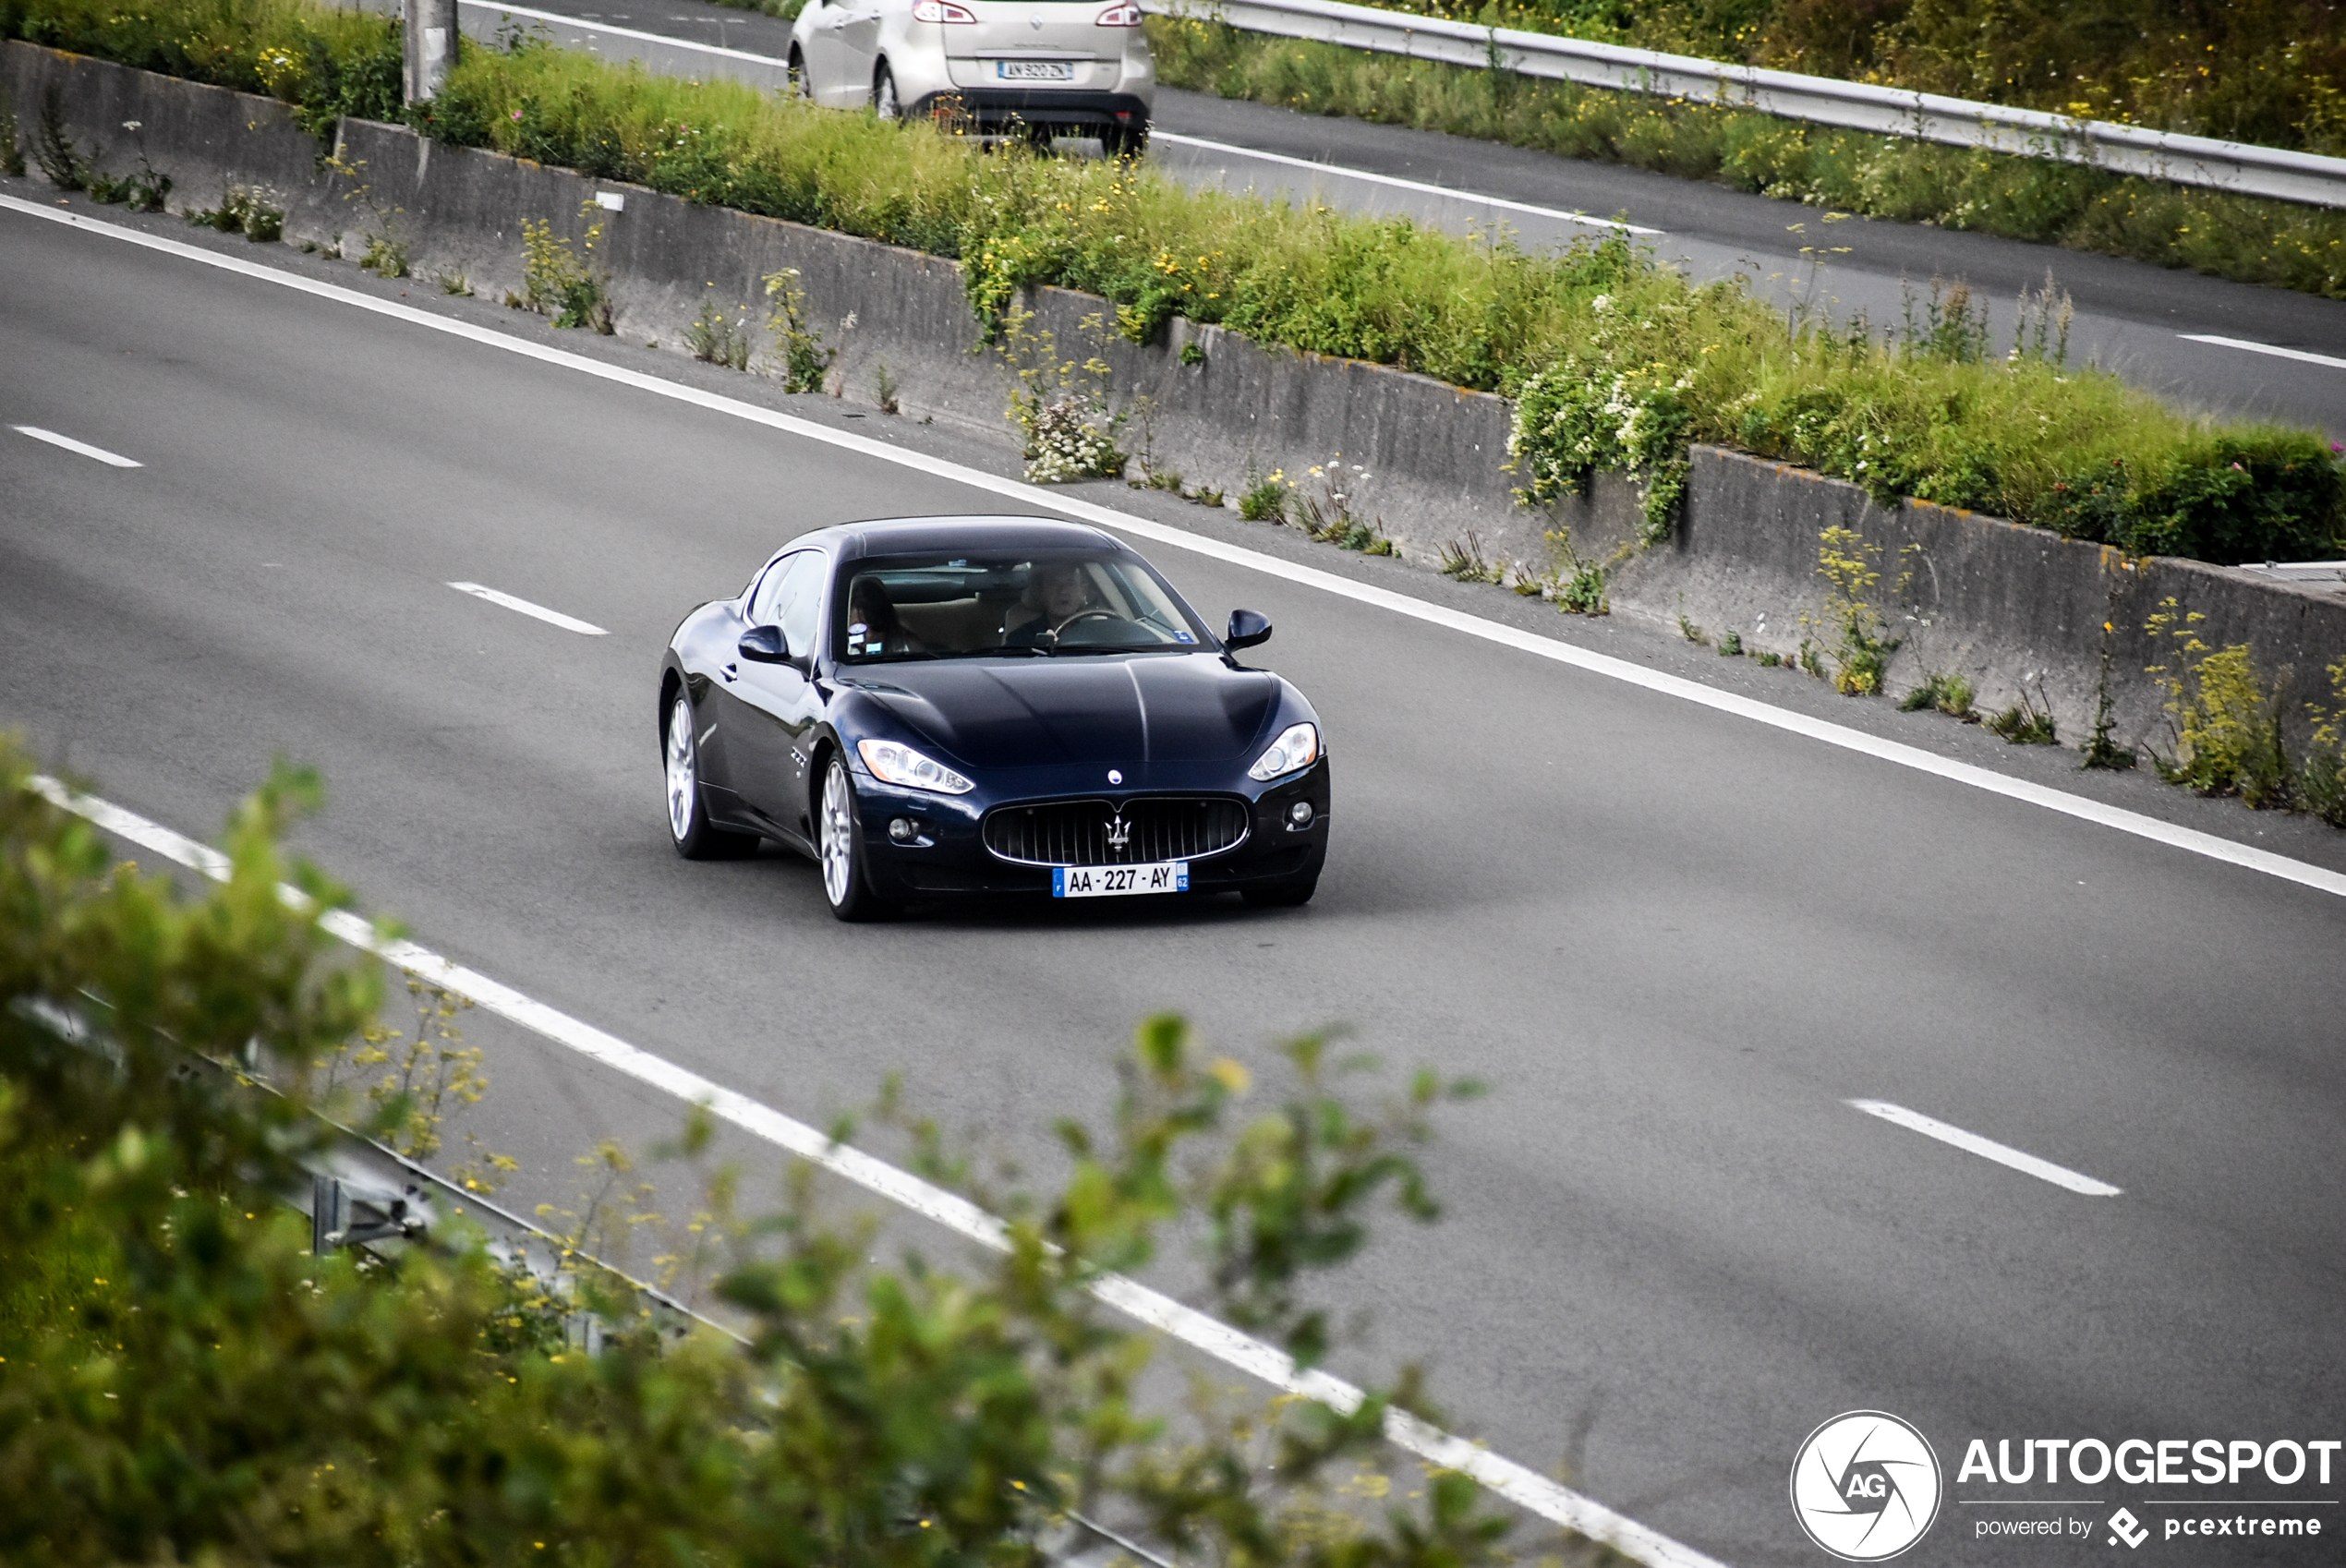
x=1034, y=71
x=1119, y=881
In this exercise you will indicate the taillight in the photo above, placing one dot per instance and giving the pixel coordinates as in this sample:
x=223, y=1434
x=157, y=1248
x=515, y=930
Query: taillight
x=1118, y=16
x=940, y=11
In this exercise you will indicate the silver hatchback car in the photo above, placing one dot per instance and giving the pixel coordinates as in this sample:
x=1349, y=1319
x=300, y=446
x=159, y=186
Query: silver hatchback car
x=1040, y=67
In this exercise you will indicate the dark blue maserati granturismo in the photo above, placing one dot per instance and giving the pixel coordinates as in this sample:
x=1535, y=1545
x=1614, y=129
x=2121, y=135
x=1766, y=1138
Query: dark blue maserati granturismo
x=934, y=707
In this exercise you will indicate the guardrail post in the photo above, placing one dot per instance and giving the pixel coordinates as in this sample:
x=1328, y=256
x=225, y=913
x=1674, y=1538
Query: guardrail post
x=430, y=46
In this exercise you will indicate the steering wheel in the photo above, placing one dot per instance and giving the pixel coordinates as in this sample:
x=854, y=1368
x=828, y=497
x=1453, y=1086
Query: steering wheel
x=1080, y=616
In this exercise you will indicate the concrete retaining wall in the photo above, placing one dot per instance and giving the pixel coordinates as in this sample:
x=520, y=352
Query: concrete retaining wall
x=2012, y=607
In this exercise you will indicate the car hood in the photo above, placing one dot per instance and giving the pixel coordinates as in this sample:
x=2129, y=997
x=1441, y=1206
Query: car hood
x=1103, y=708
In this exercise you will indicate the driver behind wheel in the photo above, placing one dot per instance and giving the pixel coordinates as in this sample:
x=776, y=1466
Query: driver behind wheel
x=873, y=624
x=1058, y=594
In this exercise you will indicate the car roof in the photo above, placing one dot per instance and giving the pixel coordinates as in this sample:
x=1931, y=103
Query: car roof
x=915, y=536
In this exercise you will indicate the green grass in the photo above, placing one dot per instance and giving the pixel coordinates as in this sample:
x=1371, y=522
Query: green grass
x=1615, y=361
x=2274, y=242
x=2263, y=71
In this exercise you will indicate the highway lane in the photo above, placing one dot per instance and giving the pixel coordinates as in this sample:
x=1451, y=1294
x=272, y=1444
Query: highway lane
x=1673, y=942
x=2133, y=318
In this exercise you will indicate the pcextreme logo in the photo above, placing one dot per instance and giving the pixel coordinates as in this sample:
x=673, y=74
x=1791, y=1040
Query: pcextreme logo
x=1864, y=1486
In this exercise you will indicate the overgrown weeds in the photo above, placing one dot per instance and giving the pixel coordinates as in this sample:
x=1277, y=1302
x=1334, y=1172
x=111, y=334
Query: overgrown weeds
x=1322, y=509
x=1264, y=500
x=804, y=361
x=1861, y=644
x=717, y=338
x=248, y=210
x=1462, y=560
x=2323, y=787
x=2224, y=717
x=427, y=1077
x=1065, y=413
x=1949, y=693
x=558, y=282
x=2027, y=723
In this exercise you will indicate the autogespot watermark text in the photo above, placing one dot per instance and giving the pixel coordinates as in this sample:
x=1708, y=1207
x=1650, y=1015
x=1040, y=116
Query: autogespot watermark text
x=2281, y=1485
x=1865, y=1486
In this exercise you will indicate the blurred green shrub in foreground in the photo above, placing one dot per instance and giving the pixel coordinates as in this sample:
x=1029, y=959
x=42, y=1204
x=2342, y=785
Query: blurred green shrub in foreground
x=180, y=1381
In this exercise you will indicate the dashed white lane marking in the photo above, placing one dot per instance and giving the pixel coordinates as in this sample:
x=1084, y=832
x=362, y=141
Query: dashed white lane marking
x=1986, y=1148
x=555, y=617
x=2188, y=840
x=1524, y=1487
x=84, y=448
x=1395, y=181
x=580, y=26
x=2274, y=349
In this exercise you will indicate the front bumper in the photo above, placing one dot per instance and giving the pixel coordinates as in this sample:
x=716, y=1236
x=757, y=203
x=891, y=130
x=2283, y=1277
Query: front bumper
x=949, y=858
x=992, y=109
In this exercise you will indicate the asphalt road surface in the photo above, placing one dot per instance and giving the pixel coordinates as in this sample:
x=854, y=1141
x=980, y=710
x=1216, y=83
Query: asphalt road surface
x=1675, y=942
x=2138, y=320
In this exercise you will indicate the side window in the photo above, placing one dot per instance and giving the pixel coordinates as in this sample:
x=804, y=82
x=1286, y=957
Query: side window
x=800, y=603
x=791, y=596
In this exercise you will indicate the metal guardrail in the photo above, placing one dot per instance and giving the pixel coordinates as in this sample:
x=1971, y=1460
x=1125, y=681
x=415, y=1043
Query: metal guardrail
x=2187, y=159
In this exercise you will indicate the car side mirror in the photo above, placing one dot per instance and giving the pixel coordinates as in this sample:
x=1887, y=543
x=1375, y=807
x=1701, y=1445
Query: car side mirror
x=1247, y=629
x=764, y=645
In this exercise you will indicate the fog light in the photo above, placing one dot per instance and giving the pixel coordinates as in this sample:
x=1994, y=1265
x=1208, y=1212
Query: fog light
x=1299, y=814
x=903, y=829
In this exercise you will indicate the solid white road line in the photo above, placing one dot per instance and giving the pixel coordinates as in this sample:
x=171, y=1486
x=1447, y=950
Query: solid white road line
x=581, y=26
x=1986, y=1148
x=2274, y=349
x=1524, y=1487
x=2188, y=840
x=567, y=622
x=1226, y=149
x=84, y=448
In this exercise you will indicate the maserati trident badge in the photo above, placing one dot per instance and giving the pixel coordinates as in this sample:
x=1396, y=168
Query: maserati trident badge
x=1114, y=776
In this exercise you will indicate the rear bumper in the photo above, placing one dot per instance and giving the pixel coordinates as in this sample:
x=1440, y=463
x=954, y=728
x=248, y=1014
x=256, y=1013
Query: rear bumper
x=987, y=109
x=951, y=859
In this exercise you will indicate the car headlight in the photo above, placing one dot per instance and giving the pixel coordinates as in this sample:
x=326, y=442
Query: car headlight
x=893, y=764
x=1298, y=746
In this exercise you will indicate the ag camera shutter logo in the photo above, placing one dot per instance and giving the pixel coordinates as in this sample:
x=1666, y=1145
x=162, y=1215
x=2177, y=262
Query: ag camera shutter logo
x=1865, y=1486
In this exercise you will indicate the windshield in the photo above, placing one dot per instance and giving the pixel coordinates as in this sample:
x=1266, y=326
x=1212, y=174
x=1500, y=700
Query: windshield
x=1027, y=603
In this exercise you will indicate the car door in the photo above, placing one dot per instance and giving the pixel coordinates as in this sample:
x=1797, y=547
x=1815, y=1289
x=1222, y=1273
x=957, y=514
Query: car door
x=825, y=73
x=858, y=49
x=771, y=709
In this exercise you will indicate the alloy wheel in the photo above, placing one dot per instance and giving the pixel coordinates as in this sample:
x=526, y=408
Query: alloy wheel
x=684, y=773
x=838, y=836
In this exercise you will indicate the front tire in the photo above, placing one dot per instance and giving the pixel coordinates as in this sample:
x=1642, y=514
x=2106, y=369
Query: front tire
x=885, y=103
x=800, y=88
x=688, y=825
x=840, y=849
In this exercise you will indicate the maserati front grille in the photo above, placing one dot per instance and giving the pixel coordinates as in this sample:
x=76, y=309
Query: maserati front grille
x=1132, y=832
